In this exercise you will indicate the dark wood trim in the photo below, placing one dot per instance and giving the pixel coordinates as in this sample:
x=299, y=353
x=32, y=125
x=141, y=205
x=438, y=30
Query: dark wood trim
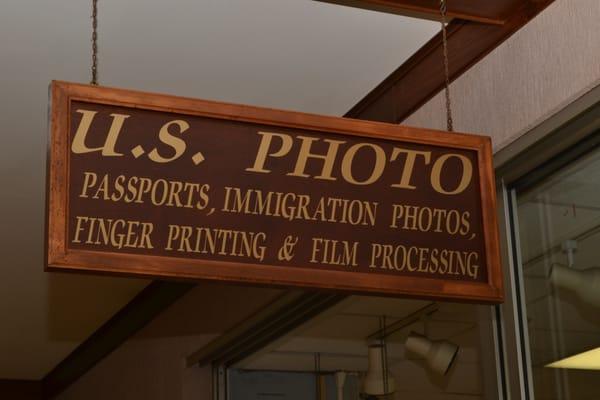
x=421, y=77
x=285, y=314
x=494, y=12
x=144, y=307
x=63, y=258
x=16, y=389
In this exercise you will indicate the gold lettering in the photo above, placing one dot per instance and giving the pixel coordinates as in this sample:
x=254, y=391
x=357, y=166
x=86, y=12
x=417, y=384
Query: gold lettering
x=375, y=253
x=184, y=242
x=119, y=188
x=316, y=248
x=144, y=188
x=293, y=206
x=409, y=164
x=216, y=241
x=172, y=236
x=436, y=172
x=108, y=149
x=465, y=223
x=89, y=180
x=117, y=233
x=472, y=264
x=334, y=252
x=174, y=189
x=397, y=213
x=79, y=228
x=377, y=167
x=410, y=219
x=177, y=144
x=305, y=154
x=102, y=191
x=159, y=197
x=147, y=228
x=131, y=237
x=426, y=219
x=204, y=197
x=424, y=260
x=264, y=147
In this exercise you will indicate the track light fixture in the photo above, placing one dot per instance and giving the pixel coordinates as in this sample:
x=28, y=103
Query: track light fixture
x=584, y=283
x=438, y=354
x=340, y=380
x=378, y=377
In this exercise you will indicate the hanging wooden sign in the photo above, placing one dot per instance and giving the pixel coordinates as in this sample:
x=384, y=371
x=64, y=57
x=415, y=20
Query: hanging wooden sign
x=167, y=187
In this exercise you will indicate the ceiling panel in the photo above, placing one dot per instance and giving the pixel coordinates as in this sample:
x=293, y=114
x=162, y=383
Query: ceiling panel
x=292, y=54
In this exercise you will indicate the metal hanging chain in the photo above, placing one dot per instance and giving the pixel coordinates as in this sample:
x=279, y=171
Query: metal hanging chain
x=94, y=42
x=449, y=122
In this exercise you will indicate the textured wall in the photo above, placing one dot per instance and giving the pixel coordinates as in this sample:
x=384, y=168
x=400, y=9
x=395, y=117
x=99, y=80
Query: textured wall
x=546, y=65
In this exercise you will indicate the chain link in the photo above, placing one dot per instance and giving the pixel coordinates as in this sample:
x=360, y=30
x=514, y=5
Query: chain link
x=94, y=42
x=443, y=9
x=449, y=122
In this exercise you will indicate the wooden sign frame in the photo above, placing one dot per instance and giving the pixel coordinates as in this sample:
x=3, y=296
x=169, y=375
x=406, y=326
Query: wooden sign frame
x=59, y=257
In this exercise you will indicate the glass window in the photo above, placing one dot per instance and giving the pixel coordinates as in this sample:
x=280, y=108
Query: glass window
x=558, y=222
x=433, y=351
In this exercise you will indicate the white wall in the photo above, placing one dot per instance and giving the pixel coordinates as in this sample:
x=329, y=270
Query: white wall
x=546, y=65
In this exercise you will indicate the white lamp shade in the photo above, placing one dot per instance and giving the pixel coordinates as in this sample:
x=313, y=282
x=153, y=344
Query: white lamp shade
x=438, y=354
x=585, y=283
x=373, y=383
x=340, y=379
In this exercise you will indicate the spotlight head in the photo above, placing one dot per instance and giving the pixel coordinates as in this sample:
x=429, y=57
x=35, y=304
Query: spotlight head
x=373, y=383
x=438, y=354
x=584, y=283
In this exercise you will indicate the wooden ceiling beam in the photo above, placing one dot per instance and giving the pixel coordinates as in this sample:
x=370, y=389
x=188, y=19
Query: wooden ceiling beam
x=421, y=77
x=494, y=12
x=142, y=309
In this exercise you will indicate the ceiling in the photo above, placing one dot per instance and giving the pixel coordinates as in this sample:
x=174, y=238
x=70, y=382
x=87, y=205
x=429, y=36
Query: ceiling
x=292, y=54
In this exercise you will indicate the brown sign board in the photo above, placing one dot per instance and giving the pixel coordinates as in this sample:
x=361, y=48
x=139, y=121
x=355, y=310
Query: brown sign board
x=166, y=187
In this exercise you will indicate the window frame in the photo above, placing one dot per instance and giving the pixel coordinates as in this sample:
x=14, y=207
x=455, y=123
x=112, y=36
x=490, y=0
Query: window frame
x=555, y=143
